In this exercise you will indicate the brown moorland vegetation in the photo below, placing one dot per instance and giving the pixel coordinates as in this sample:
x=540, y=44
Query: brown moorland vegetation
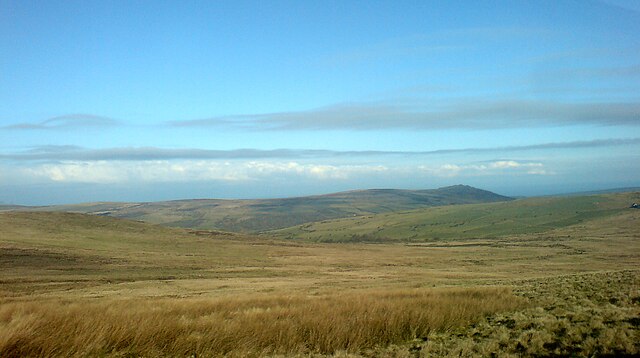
x=81, y=285
x=276, y=324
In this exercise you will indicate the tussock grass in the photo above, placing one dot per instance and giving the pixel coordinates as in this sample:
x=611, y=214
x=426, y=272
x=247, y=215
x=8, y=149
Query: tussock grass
x=278, y=324
x=584, y=315
x=62, y=272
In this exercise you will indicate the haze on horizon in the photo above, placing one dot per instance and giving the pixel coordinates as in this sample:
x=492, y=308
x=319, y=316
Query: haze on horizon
x=146, y=101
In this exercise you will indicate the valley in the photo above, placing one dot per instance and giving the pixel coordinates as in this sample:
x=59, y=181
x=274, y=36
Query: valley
x=523, y=269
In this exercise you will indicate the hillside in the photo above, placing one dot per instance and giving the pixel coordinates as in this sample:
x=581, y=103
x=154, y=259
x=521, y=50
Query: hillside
x=57, y=250
x=269, y=214
x=6, y=207
x=523, y=216
x=138, y=289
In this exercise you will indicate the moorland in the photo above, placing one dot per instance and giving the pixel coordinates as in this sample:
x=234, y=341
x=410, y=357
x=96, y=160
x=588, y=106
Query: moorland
x=252, y=216
x=367, y=273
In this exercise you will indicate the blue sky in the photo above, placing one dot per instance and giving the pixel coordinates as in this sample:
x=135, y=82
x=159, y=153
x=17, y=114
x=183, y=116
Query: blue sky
x=157, y=100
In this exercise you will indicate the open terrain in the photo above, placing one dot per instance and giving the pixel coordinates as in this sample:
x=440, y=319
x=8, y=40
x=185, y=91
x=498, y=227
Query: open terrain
x=541, y=276
x=268, y=214
x=480, y=221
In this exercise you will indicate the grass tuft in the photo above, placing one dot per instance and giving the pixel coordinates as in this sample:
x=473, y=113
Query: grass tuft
x=349, y=322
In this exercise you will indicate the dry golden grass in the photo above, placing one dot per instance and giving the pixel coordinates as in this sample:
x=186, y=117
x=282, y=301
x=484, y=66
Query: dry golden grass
x=77, y=285
x=584, y=315
x=276, y=324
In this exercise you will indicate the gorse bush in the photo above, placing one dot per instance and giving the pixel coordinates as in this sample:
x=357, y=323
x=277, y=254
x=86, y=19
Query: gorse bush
x=283, y=324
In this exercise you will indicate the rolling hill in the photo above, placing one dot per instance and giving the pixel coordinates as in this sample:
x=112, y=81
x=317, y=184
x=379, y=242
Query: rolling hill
x=520, y=271
x=7, y=207
x=269, y=214
x=487, y=220
x=58, y=249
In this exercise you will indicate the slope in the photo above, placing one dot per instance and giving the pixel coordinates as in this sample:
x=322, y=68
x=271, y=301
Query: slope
x=85, y=285
x=50, y=249
x=269, y=214
x=524, y=216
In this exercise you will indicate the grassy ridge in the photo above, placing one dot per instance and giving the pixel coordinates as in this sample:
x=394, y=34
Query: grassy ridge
x=525, y=216
x=268, y=214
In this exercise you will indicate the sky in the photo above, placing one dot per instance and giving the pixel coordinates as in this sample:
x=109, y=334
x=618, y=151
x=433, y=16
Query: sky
x=161, y=100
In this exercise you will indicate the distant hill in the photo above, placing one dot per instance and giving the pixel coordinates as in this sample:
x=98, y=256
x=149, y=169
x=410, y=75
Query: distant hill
x=476, y=221
x=604, y=191
x=6, y=207
x=270, y=214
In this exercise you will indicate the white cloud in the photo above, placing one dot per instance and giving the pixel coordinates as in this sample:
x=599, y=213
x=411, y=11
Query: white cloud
x=92, y=172
x=506, y=164
x=109, y=172
x=487, y=168
x=540, y=172
x=317, y=171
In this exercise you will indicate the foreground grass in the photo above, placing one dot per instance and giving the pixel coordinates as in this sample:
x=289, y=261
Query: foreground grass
x=79, y=285
x=297, y=324
x=584, y=315
x=579, y=315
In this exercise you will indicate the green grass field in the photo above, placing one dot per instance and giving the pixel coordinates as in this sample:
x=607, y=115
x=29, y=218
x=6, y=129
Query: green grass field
x=479, y=221
x=532, y=277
